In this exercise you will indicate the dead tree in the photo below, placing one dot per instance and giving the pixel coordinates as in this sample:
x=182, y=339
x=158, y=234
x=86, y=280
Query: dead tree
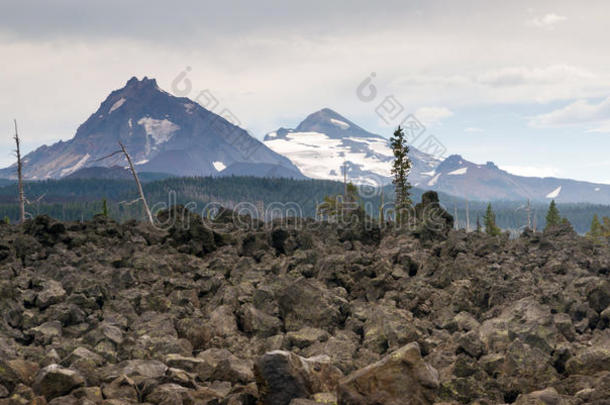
x=529, y=214
x=140, y=190
x=20, y=178
x=467, y=217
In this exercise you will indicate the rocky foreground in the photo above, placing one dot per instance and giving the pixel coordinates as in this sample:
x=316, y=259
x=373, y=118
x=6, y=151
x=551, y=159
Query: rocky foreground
x=107, y=313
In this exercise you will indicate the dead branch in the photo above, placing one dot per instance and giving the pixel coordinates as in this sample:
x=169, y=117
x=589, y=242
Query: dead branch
x=20, y=178
x=140, y=190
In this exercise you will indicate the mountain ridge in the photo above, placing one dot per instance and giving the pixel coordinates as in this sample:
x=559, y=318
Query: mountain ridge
x=325, y=142
x=162, y=133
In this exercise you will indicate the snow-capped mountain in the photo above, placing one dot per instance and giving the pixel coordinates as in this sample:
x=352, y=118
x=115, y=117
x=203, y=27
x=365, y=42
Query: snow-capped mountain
x=162, y=133
x=459, y=177
x=325, y=143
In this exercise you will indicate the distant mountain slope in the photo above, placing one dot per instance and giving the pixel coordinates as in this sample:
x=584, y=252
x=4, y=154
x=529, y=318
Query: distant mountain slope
x=325, y=141
x=162, y=133
x=459, y=177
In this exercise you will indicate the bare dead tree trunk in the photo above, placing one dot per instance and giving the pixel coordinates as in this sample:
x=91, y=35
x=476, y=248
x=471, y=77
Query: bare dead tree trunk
x=529, y=215
x=135, y=176
x=467, y=217
x=20, y=178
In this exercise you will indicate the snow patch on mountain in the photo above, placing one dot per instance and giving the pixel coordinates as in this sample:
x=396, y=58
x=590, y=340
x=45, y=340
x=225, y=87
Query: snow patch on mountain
x=218, y=165
x=458, y=172
x=321, y=157
x=160, y=131
x=78, y=165
x=434, y=180
x=339, y=123
x=189, y=107
x=116, y=105
x=554, y=193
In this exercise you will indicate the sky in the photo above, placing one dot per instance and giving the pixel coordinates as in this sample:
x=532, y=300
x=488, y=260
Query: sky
x=523, y=84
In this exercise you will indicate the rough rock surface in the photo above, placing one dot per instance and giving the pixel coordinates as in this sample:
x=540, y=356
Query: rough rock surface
x=223, y=313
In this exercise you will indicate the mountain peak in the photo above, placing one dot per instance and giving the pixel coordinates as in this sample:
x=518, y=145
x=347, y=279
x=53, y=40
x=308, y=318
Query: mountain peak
x=134, y=83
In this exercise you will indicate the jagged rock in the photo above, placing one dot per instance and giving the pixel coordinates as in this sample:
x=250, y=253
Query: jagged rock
x=549, y=396
x=234, y=370
x=402, y=374
x=54, y=381
x=51, y=294
x=168, y=394
x=589, y=361
x=15, y=372
x=306, y=337
x=258, y=323
x=499, y=318
x=121, y=388
x=283, y=376
x=306, y=303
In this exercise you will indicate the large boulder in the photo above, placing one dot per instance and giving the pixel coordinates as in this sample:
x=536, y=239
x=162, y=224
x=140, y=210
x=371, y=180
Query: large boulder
x=306, y=303
x=283, y=376
x=54, y=381
x=401, y=377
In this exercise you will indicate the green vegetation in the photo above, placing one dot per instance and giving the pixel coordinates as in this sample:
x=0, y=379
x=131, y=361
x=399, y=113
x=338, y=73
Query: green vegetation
x=552, y=216
x=599, y=232
x=490, y=222
x=76, y=199
x=400, y=170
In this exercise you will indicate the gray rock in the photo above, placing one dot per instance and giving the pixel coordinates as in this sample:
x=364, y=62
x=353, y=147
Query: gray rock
x=283, y=376
x=54, y=381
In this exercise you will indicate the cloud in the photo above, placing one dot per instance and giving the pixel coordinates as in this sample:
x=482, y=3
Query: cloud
x=517, y=76
x=532, y=171
x=548, y=21
x=432, y=115
x=473, y=129
x=580, y=112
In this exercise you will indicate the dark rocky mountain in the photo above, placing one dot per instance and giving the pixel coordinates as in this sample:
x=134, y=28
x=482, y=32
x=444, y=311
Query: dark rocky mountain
x=162, y=133
x=325, y=141
x=235, y=311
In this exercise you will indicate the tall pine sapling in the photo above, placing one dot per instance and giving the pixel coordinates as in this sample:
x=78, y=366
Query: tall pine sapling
x=596, y=233
x=105, y=208
x=552, y=216
x=400, y=171
x=490, y=222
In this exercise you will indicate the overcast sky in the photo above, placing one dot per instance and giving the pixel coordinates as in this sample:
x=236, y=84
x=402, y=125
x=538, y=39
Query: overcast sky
x=524, y=84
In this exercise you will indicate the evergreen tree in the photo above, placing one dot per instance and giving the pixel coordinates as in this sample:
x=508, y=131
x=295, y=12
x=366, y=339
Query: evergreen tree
x=606, y=227
x=105, y=208
x=478, y=224
x=597, y=231
x=400, y=170
x=552, y=216
x=490, y=222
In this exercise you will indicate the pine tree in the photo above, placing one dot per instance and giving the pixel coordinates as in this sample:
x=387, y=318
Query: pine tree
x=597, y=231
x=552, y=216
x=105, y=208
x=490, y=222
x=400, y=170
x=606, y=227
